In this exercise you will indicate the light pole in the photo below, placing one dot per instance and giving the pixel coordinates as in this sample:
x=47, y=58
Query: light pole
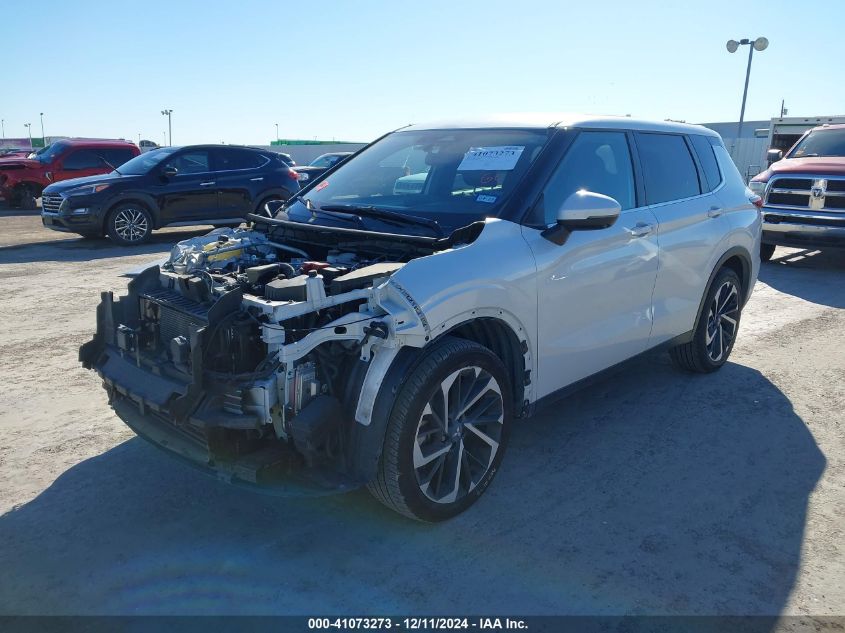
x=277, y=132
x=760, y=44
x=28, y=127
x=167, y=113
x=3, y=127
x=43, y=138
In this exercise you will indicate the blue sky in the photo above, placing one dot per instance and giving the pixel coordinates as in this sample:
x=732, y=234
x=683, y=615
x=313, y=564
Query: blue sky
x=353, y=70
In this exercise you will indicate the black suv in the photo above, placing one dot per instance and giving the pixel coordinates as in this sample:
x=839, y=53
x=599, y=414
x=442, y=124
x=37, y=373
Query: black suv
x=171, y=186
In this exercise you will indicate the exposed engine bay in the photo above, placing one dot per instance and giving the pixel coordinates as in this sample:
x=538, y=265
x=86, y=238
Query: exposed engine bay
x=251, y=344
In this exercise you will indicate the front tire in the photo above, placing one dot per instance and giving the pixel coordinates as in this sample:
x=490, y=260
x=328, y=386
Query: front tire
x=25, y=198
x=447, y=432
x=129, y=224
x=767, y=251
x=718, y=324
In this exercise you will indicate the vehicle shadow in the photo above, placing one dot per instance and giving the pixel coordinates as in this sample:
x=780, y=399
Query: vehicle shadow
x=79, y=249
x=651, y=493
x=817, y=276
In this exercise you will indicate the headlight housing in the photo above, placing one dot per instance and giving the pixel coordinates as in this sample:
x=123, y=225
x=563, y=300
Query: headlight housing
x=87, y=190
x=757, y=187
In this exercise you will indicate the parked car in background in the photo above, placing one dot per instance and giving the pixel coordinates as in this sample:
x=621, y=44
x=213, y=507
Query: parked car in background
x=15, y=152
x=286, y=158
x=171, y=186
x=804, y=193
x=23, y=179
x=147, y=145
x=320, y=165
x=368, y=337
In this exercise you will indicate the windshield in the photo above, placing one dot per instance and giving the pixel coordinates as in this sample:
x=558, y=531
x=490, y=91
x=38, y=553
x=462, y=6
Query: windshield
x=821, y=143
x=451, y=176
x=323, y=161
x=49, y=153
x=143, y=163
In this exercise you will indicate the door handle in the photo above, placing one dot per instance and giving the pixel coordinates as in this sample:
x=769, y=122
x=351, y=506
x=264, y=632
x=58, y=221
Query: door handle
x=207, y=183
x=256, y=179
x=714, y=212
x=640, y=230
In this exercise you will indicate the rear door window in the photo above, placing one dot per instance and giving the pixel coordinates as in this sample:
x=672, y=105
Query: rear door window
x=116, y=157
x=83, y=159
x=704, y=151
x=669, y=171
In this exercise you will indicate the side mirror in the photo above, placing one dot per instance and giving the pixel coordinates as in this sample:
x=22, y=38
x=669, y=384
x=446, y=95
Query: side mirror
x=583, y=211
x=774, y=155
x=169, y=171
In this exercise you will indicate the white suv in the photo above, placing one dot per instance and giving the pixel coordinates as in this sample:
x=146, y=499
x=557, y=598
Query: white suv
x=369, y=334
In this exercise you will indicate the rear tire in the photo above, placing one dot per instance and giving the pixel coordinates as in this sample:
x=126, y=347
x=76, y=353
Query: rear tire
x=261, y=210
x=447, y=432
x=718, y=324
x=767, y=251
x=129, y=224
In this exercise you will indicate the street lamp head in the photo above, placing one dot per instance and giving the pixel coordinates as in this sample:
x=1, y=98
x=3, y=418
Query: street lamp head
x=732, y=45
x=761, y=44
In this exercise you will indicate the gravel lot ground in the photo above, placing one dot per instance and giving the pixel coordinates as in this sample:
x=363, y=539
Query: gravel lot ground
x=650, y=493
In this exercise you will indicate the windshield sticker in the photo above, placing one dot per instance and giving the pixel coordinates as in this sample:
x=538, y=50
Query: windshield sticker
x=497, y=158
x=322, y=185
x=487, y=199
x=489, y=179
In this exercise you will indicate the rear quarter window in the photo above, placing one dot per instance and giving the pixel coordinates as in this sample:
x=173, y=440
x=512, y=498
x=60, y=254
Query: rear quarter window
x=234, y=159
x=669, y=172
x=707, y=158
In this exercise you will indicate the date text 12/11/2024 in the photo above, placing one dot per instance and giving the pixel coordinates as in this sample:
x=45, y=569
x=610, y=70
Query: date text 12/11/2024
x=352, y=624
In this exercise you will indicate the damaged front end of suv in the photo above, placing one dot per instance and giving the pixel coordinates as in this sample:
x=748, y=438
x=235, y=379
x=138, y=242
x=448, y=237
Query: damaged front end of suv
x=247, y=355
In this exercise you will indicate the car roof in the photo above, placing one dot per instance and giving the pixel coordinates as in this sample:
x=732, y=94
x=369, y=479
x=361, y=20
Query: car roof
x=93, y=141
x=218, y=146
x=545, y=120
x=829, y=126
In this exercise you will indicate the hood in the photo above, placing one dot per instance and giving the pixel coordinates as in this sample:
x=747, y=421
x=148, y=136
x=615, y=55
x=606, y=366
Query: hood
x=19, y=163
x=833, y=165
x=73, y=183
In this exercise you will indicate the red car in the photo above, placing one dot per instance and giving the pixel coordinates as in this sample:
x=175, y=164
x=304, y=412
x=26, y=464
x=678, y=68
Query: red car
x=23, y=179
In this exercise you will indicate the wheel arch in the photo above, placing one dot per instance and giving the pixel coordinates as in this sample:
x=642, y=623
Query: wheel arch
x=500, y=338
x=737, y=259
x=270, y=193
x=36, y=186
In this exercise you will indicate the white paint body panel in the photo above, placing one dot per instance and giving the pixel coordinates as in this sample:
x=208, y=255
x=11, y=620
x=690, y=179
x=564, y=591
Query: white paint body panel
x=603, y=297
x=593, y=298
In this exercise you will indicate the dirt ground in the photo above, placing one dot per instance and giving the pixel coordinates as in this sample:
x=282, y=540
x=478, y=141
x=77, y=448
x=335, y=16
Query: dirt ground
x=653, y=492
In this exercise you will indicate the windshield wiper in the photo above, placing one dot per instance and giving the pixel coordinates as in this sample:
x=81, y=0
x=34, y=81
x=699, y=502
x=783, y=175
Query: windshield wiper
x=393, y=217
